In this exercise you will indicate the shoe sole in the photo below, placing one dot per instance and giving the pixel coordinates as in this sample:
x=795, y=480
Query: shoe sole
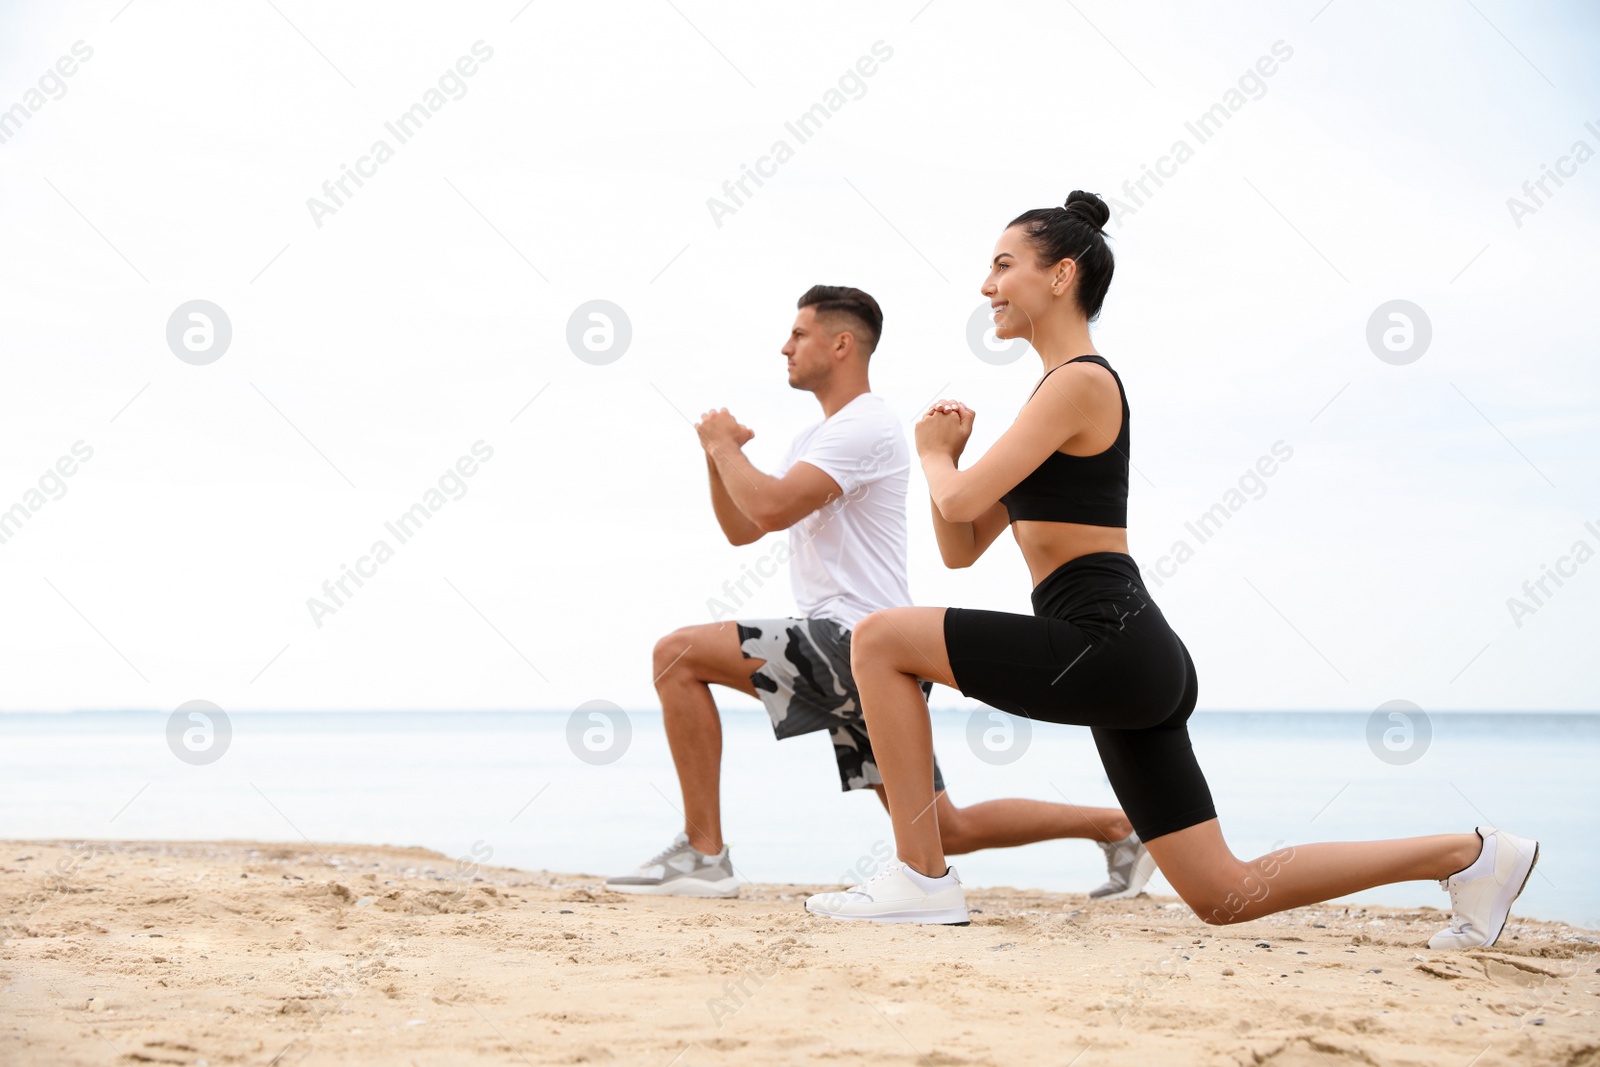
x=948, y=917
x=1507, y=916
x=681, y=888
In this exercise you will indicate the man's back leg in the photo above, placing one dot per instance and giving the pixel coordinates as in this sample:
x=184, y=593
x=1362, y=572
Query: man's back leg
x=1016, y=821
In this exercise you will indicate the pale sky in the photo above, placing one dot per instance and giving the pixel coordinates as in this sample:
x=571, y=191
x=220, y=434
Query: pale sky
x=376, y=344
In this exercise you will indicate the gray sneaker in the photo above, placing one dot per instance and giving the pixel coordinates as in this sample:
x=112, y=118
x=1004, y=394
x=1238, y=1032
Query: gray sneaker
x=680, y=871
x=1129, y=866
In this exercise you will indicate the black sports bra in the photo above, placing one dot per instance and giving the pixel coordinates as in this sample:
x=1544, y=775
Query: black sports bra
x=1088, y=489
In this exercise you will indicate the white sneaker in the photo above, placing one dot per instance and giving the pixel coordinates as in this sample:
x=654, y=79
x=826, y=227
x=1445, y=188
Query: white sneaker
x=891, y=897
x=1129, y=866
x=680, y=871
x=1483, y=902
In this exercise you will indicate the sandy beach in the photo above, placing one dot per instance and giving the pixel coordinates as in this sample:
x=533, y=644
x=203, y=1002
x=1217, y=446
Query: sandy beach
x=247, y=953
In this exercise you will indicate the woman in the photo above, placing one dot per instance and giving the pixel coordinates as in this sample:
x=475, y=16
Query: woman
x=1097, y=651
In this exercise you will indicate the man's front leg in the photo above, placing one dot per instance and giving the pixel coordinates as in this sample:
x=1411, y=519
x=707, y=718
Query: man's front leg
x=687, y=663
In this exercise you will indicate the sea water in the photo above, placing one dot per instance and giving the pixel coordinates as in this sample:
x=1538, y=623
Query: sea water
x=532, y=790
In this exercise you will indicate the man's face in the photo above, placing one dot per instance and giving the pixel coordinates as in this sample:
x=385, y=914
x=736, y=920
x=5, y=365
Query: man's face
x=810, y=351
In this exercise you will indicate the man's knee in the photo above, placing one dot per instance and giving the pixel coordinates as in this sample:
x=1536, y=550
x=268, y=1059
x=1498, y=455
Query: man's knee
x=954, y=833
x=709, y=653
x=670, y=661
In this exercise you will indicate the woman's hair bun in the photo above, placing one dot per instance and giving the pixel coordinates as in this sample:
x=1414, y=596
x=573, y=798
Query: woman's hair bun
x=1088, y=207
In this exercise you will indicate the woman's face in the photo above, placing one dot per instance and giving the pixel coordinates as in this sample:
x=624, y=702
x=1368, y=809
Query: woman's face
x=1019, y=290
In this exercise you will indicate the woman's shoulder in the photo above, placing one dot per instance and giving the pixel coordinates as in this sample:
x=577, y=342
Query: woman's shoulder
x=1075, y=378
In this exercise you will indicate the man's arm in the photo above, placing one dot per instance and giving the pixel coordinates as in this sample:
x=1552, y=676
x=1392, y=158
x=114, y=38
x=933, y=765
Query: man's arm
x=771, y=503
x=736, y=525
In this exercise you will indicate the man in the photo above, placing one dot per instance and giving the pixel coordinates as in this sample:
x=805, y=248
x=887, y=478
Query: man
x=840, y=492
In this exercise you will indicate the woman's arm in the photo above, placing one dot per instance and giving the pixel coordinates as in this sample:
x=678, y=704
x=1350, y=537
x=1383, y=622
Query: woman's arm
x=1053, y=416
x=961, y=543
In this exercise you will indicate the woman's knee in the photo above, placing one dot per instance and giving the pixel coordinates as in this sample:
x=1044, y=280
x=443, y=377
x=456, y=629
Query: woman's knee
x=1221, y=901
x=1219, y=887
x=872, y=641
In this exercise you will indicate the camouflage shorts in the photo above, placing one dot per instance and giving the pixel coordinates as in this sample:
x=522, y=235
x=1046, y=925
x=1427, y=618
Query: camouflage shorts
x=806, y=685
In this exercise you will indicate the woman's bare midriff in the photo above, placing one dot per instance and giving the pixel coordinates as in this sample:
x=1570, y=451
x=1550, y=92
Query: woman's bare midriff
x=1047, y=545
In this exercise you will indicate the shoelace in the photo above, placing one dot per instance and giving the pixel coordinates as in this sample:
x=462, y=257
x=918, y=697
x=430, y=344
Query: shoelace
x=661, y=857
x=1118, y=857
x=888, y=869
x=1457, y=924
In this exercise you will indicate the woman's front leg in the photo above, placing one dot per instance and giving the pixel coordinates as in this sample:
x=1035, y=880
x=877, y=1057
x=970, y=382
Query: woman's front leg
x=889, y=651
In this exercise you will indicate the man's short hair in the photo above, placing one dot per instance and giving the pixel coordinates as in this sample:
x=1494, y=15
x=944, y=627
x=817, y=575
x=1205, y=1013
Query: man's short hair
x=841, y=301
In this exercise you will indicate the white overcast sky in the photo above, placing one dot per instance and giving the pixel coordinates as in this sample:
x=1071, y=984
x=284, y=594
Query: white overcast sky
x=370, y=353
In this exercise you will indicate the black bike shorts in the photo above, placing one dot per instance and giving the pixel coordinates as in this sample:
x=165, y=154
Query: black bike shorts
x=1096, y=652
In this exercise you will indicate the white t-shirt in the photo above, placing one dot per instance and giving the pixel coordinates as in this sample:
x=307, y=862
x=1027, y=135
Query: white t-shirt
x=848, y=558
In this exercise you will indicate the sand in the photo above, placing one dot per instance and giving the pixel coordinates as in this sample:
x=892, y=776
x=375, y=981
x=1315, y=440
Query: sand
x=246, y=953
